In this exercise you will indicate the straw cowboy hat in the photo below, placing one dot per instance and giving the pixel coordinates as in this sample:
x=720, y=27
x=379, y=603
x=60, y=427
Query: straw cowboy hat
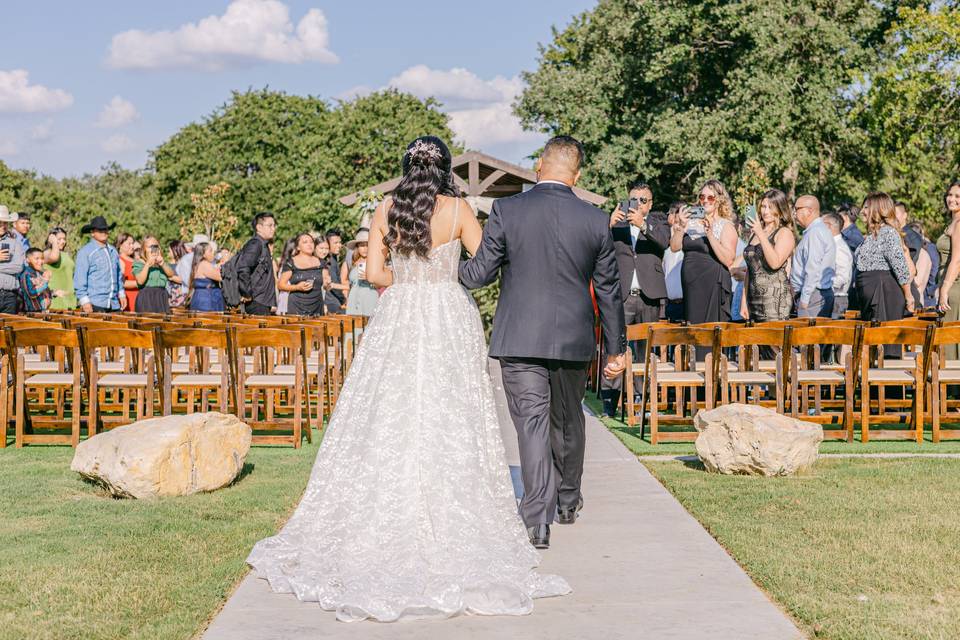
x=6, y=216
x=362, y=236
x=99, y=223
x=198, y=238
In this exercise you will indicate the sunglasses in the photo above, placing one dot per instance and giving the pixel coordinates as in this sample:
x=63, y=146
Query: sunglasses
x=708, y=198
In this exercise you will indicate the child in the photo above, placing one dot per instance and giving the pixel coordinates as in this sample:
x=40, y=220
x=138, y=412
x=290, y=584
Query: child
x=35, y=282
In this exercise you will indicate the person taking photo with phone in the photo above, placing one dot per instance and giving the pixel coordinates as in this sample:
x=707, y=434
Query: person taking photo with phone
x=98, y=277
x=640, y=237
x=769, y=247
x=11, y=262
x=153, y=274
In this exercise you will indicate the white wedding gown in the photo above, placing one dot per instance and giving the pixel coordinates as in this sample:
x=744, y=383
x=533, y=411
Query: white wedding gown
x=410, y=511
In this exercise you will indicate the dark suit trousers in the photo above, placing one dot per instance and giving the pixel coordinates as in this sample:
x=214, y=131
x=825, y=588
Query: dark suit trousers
x=636, y=309
x=544, y=398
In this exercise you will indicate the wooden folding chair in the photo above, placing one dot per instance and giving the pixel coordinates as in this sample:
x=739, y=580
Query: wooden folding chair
x=198, y=379
x=746, y=341
x=5, y=374
x=269, y=343
x=880, y=377
x=684, y=378
x=941, y=375
x=636, y=367
x=808, y=375
x=138, y=375
x=56, y=342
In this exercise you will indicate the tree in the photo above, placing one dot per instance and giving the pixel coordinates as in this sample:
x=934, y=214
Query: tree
x=912, y=110
x=684, y=90
x=210, y=215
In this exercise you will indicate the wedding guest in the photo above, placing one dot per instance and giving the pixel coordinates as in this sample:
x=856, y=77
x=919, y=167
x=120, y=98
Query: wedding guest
x=738, y=273
x=709, y=247
x=814, y=262
x=849, y=212
x=883, y=276
x=21, y=227
x=204, y=292
x=60, y=265
x=11, y=262
x=126, y=247
x=35, y=289
x=929, y=287
x=639, y=240
x=672, y=264
x=770, y=245
x=925, y=265
x=255, y=273
x=181, y=259
x=948, y=244
x=302, y=276
x=914, y=244
x=98, y=277
x=363, y=297
x=152, y=275
x=283, y=295
x=843, y=269
x=336, y=296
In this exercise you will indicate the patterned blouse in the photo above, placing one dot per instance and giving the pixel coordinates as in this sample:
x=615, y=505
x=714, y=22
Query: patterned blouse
x=883, y=251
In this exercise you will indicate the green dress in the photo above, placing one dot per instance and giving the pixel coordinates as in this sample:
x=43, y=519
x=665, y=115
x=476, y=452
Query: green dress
x=953, y=314
x=61, y=278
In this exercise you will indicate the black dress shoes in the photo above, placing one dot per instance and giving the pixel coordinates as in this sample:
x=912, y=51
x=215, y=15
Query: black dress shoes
x=539, y=536
x=568, y=515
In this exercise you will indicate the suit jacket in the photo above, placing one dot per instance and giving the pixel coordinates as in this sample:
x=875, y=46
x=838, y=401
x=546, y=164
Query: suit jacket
x=548, y=246
x=645, y=258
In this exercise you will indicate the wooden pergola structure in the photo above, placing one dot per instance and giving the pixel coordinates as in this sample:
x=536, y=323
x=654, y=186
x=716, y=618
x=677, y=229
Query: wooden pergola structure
x=481, y=179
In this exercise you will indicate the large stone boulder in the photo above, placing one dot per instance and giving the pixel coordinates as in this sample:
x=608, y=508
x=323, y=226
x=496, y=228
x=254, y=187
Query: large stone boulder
x=751, y=440
x=167, y=456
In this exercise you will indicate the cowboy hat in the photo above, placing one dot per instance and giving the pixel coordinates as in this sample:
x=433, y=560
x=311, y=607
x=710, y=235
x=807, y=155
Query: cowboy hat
x=362, y=236
x=6, y=216
x=197, y=239
x=99, y=223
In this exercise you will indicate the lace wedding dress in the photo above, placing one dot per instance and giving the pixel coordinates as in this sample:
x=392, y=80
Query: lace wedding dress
x=410, y=511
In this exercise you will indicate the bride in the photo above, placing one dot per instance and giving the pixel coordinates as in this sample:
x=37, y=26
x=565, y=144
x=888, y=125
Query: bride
x=410, y=511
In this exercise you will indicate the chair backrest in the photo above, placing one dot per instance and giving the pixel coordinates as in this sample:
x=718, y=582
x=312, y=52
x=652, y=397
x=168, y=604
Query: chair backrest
x=641, y=331
x=97, y=338
x=946, y=335
x=250, y=338
x=190, y=338
x=895, y=335
x=825, y=334
x=758, y=335
x=693, y=336
x=44, y=337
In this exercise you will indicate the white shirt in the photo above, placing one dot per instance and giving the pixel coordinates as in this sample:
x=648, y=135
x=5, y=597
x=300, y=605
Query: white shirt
x=635, y=234
x=672, y=260
x=844, y=268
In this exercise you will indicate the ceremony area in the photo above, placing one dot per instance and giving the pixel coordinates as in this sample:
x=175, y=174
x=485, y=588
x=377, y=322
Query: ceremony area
x=589, y=319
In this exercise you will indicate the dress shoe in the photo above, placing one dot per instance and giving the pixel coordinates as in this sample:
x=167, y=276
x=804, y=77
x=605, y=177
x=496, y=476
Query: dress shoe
x=539, y=536
x=568, y=515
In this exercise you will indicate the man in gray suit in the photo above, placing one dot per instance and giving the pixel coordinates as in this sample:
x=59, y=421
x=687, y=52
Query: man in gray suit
x=548, y=246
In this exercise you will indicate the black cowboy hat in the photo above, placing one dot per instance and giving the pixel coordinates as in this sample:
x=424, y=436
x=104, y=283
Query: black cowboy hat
x=99, y=223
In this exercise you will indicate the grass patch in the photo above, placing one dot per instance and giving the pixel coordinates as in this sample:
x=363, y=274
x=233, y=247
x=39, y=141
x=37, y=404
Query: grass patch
x=859, y=549
x=77, y=564
x=630, y=436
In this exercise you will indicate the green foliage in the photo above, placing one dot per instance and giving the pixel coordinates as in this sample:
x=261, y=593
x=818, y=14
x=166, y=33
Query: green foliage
x=684, y=90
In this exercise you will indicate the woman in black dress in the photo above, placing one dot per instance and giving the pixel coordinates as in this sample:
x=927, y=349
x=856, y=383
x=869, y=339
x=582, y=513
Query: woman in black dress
x=709, y=245
x=302, y=276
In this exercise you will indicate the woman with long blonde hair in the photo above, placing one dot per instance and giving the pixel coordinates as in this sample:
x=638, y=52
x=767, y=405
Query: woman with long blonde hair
x=883, y=274
x=709, y=242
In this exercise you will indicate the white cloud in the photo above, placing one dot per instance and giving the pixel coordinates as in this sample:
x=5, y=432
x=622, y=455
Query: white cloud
x=480, y=110
x=118, y=143
x=250, y=31
x=17, y=95
x=353, y=93
x=117, y=113
x=42, y=132
x=8, y=147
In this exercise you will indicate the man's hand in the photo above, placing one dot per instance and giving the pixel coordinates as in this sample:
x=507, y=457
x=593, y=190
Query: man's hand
x=616, y=365
x=87, y=308
x=123, y=302
x=636, y=218
x=46, y=276
x=802, y=306
x=617, y=217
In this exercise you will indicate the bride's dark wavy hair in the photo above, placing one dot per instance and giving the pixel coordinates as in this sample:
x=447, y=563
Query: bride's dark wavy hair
x=426, y=174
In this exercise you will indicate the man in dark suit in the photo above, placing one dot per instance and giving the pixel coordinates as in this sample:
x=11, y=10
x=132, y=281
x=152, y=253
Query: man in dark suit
x=548, y=246
x=639, y=239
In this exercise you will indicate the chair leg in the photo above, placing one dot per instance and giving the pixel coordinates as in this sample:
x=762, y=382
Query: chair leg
x=76, y=407
x=297, y=417
x=20, y=411
x=937, y=395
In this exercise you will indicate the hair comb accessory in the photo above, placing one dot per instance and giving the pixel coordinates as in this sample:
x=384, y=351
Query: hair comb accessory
x=424, y=151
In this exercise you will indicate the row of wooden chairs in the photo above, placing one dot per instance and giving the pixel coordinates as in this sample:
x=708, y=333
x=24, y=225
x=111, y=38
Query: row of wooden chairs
x=890, y=373
x=116, y=368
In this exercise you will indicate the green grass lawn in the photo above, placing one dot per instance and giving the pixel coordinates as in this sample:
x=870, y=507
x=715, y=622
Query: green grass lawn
x=860, y=549
x=77, y=564
x=630, y=436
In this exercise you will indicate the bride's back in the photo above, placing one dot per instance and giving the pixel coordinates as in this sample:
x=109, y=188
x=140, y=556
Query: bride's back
x=442, y=262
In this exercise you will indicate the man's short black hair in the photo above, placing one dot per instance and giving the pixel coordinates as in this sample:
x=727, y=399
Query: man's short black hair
x=261, y=216
x=638, y=185
x=23, y=215
x=333, y=232
x=32, y=250
x=567, y=146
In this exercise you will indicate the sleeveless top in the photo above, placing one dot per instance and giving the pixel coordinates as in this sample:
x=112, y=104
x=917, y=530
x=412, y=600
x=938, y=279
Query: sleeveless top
x=61, y=277
x=769, y=294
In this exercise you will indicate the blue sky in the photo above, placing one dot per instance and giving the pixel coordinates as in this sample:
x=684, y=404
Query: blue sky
x=83, y=83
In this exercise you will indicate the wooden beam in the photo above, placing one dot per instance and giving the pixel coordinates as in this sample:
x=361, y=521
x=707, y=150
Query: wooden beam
x=490, y=179
x=464, y=187
x=473, y=172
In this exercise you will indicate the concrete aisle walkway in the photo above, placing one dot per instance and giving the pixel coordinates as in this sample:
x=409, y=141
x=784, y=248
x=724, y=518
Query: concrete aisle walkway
x=641, y=568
